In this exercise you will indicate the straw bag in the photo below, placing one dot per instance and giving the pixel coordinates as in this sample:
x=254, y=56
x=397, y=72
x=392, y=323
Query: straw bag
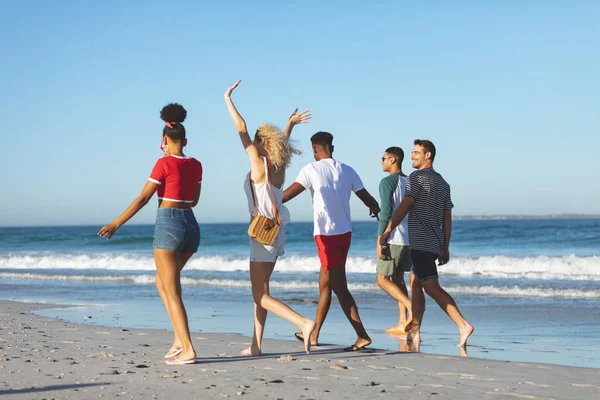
x=263, y=229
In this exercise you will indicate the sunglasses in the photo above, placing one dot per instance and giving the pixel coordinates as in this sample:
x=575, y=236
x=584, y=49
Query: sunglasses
x=384, y=158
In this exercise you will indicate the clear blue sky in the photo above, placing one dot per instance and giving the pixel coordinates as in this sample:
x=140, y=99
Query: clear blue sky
x=509, y=92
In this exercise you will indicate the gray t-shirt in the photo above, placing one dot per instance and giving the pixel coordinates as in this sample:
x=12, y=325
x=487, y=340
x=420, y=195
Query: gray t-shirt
x=432, y=198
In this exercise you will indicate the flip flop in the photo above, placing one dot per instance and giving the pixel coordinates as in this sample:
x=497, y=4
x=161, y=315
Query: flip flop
x=355, y=348
x=167, y=356
x=180, y=362
x=300, y=337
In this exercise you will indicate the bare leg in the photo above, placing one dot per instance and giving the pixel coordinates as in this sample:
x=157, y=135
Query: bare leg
x=409, y=347
x=169, y=265
x=260, y=318
x=418, y=309
x=446, y=302
x=339, y=285
x=401, y=296
x=185, y=257
x=323, y=306
x=260, y=273
x=405, y=311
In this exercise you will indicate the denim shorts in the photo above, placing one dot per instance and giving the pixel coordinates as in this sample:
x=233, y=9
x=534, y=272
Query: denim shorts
x=262, y=253
x=176, y=230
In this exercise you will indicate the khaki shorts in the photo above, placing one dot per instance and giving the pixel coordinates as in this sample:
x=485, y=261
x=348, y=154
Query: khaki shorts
x=399, y=258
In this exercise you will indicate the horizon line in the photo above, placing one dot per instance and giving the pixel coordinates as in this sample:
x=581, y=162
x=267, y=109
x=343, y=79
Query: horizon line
x=458, y=217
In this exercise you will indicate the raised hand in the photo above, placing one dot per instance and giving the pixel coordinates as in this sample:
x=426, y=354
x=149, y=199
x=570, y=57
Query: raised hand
x=295, y=119
x=231, y=89
x=302, y=118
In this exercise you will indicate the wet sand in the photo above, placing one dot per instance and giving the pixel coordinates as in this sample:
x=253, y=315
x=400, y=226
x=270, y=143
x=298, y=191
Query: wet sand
x=44, y=358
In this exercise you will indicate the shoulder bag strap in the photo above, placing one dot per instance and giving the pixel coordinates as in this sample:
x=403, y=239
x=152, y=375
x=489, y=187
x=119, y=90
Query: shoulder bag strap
x=252, y=191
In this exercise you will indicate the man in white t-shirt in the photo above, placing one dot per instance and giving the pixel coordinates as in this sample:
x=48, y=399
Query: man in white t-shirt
x=331, y=184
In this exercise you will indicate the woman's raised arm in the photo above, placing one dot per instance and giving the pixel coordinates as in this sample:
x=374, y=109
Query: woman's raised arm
x=240, y=124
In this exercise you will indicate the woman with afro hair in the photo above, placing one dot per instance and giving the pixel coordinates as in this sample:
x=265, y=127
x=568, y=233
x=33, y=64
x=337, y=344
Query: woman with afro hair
x=270, y=154
x=177, y=179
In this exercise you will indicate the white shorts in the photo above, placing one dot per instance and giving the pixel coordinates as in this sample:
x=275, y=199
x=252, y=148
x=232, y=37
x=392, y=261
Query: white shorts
x=262, y=253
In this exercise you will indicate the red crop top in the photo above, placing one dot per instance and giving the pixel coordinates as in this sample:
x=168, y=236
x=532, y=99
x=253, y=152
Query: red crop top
x=178, y=178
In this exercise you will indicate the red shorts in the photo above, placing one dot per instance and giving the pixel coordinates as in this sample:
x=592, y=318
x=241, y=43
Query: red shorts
x=333, y=250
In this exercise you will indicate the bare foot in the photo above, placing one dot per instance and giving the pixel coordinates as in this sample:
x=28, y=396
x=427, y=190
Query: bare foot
x=313, y=341
x=408, y=326
x=396, y=330
x=463, y=351
x=414, y=337
x=307, y=330
x=465, y=332
x=362, y=342
x=251, y=352
x=415, y=347
x=403, y=346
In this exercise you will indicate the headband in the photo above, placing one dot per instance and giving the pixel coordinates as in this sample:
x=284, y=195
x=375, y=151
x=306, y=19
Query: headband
x=170, y=124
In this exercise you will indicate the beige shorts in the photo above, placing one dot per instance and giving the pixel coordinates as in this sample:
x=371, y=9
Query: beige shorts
x=399, y=258
x=262, y=253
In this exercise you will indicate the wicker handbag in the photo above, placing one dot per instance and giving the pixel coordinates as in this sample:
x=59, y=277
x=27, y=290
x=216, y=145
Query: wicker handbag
x=263, y=229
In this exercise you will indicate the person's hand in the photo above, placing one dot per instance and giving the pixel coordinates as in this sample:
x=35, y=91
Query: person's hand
x=444, y=258
x=379, y=251
x=383, y=239
x=231, y=88
x=108, y=231
x=374, y=211
x=302, y=118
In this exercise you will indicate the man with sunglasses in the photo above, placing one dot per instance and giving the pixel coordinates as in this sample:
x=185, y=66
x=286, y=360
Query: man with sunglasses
x=393, y=260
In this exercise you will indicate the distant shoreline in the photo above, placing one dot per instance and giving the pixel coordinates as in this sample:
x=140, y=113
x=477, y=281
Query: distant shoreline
x=514, y=217
x=518, y=217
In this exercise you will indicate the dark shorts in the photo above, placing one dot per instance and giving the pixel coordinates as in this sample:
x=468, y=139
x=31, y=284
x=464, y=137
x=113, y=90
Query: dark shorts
x=333, y=250
x=423, y=264
x=176, y=230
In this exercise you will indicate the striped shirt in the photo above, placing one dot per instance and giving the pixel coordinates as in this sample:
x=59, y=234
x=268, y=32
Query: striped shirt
x=432, y=198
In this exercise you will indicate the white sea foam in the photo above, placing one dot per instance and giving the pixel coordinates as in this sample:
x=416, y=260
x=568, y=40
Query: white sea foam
x=517, y=291
x=538, y=267
x=302, y=285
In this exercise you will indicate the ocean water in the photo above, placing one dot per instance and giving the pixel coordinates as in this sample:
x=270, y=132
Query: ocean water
x=530, y=287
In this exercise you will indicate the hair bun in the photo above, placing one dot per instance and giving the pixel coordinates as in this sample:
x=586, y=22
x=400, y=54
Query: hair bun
x=173, y=112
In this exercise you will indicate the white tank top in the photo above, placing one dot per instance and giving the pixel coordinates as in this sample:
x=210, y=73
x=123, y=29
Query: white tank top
x=264, y=199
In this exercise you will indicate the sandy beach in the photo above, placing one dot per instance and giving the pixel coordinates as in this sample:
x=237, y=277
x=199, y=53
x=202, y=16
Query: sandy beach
x=44, y=358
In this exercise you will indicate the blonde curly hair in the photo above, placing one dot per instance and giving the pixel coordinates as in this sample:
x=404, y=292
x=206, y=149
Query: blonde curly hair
x=278, y=146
